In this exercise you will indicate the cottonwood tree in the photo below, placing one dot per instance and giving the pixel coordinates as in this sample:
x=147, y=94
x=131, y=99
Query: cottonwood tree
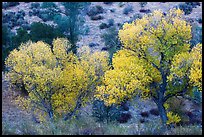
x=58, y=82
x=155, y=62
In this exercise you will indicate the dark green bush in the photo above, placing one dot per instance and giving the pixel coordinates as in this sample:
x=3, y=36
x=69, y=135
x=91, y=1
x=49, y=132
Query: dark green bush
x=143, y=4
x=43, y=32
x=127, y=9
x=44, y=16
x=196, y=35
x=187, y=7
x=35, y=5
x=154, y=111
x=112, y=42
x=8, y=42
x=110, y=22
x=95, y=10
x=144, y=114
x=200, y=20
x=112, y=10
x=30, y=13
x=48, y=5
x=108, y=3
x=145, y=11
x=103, y=26
x=97, y=17
x=93, y=44
x=109, y=113
x=21, y=37
x=135, y=16
x=10, y=4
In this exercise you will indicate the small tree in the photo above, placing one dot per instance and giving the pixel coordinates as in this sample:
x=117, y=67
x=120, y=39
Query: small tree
x=58, y=82
x=6, y=43
x=112, y=41
x=74, y=25
x=155, y=62
x=46, y=34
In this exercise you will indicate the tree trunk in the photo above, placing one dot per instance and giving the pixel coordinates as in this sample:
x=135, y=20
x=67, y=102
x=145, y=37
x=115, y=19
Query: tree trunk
x=77, y=107
x=162, y=113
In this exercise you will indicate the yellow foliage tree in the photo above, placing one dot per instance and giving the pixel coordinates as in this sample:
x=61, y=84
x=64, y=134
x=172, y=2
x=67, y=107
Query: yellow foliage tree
x=155, y=57
x=58, y=82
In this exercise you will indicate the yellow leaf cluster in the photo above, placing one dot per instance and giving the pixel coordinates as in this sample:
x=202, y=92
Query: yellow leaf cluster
x=128, y=78
x=172, y=118
x=188, y=65
x=55, y=78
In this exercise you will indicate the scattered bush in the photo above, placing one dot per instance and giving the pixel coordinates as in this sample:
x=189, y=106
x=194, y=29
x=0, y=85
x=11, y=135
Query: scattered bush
x=93, y=44
x=104, y=48
x=144, y=114
x=20, y=14
x=95, y=10
x=187, y=7
x=108, y=3
x=34, y=5
x=143, y=4
x=154, y=111
x=136, y=16
x=200, y=20
x=47, y=5
x=9, y=17
x=110, y=22
x=103, y=26
x=20, y=22
x=142, y=120
x=124, y=117
x=196, y=35
x=109, y=114
x=36, y=12
x=145, y=11
x=127, y=9
x=9, y=4
x=121, y=4
x=97, y=17
x=112, y=10
x=30, y=13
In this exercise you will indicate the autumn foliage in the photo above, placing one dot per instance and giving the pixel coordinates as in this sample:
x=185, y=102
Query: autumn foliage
x=155, y=62
x=58, y=82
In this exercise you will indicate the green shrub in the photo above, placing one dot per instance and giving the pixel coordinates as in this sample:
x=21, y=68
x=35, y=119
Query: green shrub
x=48, y=5
x=121, y=4
x=127, y=9
x=108, y=3
x=95, y=10
x=110, y=22
x=143, y=4
x=112, y=42
x=196, y=35
x=177, y=105
x=103, y=26
x=97, y=17
x=35, y=5
x=110, y=113
x=10, y=4
x=43, y=32
x=187, y=7
x=6, y=43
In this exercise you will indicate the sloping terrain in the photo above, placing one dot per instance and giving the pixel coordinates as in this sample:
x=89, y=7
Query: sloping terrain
x=115, y=11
